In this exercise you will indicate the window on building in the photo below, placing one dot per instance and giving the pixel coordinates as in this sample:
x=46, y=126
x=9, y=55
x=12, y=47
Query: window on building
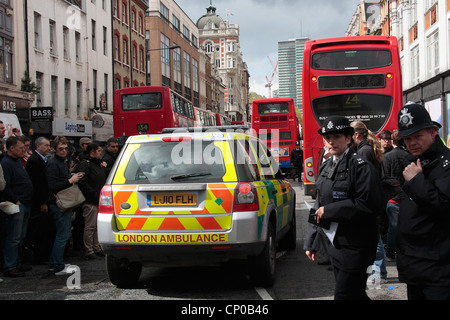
x=39, y=84
x=142, y=59
x=164, y=11
x=186, y=32
x=93, y=38
x=177, y=68
x=141, y=25
x=37, y=31
x=116, y=47
x=54, y=91
x=77, y=47
x=133, y=20
x=67, y=97
x=52, y=37
x=433, y=54
x=116, y=8
x=165, y=60
x=105, y=41
x=415, y=65
x=6, y=58
x=135, y=65
x=94, y=87
x=209, y=47
x=194, y=41
x=231, y=46
x=66, y=42
x=79, y=98
x=413, y=12
x=187, y=69
x=176, y=23
x=125, y=51
x=124, y=13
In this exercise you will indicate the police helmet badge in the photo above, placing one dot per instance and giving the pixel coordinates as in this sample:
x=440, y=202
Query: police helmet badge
x=405, y=118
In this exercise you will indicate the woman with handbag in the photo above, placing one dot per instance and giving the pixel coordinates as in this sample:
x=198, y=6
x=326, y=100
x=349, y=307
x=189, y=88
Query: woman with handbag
x=60, y=178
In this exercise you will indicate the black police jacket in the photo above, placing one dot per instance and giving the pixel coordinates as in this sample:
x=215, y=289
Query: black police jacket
x=351, y=197
x=423, y=239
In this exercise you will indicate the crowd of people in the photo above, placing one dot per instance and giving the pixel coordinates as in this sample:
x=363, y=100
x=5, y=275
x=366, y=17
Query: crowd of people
x=34, y=230
x=391, y=190
x=385, y=198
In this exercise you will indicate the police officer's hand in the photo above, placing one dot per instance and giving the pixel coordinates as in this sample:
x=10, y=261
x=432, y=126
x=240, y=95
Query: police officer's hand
x=319, y=214
x=412, y=170
x=311, y=255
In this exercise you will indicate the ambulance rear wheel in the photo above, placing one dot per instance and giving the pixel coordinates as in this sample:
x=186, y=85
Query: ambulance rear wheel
x=262, y=267
x=121, y=272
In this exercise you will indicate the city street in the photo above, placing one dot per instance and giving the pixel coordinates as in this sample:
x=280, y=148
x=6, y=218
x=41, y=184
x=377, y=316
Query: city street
x=297, y=279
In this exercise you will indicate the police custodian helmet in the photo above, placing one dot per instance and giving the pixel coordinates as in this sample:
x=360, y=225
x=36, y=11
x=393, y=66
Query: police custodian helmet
x=412, y=118
x=336, y=124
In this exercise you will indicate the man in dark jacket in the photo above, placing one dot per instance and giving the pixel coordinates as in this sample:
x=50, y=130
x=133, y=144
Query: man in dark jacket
x=110, y=156
x=423, y=242
x=19, y=191
x=91, y=185
x=392, y=166
x=41, y=230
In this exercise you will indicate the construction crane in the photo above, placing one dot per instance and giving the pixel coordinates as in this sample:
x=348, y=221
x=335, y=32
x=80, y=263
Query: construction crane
x=269, y=82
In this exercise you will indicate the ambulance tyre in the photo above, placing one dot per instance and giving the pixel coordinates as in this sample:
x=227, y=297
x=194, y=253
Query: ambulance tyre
x=122, y=273
x=262, y=267
x=289, y=241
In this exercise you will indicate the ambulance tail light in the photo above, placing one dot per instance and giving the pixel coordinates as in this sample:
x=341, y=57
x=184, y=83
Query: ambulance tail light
x=106, y=203
x=245, y=197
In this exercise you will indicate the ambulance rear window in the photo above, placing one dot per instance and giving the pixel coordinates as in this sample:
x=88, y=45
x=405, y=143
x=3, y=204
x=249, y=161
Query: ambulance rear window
x=175, y=162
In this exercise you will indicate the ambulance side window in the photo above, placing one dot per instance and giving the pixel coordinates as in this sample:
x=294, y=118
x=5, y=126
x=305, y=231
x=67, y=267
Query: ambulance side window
x=250, y=160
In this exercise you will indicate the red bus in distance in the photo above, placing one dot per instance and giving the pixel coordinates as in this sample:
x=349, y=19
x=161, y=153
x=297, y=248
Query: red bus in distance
x=357, y=77
x=275, y=122
x=150, y=109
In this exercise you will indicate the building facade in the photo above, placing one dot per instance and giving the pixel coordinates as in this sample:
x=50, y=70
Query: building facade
x=220, y=40
x=290, y=69
x=70, y=56
x=13, y=64
x=128, y=42
x=422, y=28
x=172, y=49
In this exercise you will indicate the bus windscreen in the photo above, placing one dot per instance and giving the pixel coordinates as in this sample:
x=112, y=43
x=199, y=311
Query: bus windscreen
x=273, y=108
x=141, y=101
x=351, y=59
x=372, y=109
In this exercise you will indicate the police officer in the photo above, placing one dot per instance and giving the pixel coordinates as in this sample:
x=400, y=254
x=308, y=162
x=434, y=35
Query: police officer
x=297, y=161
x=423, y=239
x=349, y=194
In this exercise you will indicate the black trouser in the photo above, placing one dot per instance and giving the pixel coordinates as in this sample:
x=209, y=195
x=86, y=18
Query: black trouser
x=425, y=292
x=350, y=285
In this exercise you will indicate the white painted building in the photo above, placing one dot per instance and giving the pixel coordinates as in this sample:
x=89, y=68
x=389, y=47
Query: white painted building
x=422, y=28
x=70, y=57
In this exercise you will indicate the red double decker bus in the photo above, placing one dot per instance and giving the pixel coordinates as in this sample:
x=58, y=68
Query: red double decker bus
x=357, y=77
x=150, y=109
x=204, y=117
x=275, y=122
x=222, y=120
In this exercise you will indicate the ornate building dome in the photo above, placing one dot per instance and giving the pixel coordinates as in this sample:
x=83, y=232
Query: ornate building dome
x=210, y=20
